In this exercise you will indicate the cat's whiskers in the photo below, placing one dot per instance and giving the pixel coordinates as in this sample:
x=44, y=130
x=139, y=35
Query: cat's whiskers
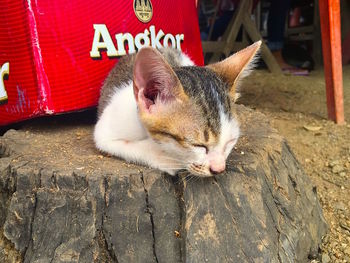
x=186, y=178
x=179, y=165
x=191, y=178
x=195, y=179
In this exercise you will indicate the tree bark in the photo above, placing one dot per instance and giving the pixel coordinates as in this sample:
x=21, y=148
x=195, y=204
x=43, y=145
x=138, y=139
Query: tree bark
x=62, y=201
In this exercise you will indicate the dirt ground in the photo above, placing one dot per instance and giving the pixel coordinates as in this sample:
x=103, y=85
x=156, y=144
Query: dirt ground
x=296, y=107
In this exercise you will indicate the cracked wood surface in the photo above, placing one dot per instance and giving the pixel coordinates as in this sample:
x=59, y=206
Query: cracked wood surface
x=62, y=201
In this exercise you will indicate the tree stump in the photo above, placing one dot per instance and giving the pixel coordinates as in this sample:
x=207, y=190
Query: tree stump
x=62, y=201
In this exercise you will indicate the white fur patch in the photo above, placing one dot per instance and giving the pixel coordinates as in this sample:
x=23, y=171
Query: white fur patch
x=186, y=61
x=120, y=132
x=229, y=131
x=229, y=134
x=119, y=120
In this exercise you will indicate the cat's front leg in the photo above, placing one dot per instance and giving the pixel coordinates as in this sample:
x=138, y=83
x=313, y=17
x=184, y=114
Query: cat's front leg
x=144, y=151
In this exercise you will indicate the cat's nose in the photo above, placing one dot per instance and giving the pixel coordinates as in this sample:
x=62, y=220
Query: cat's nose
x=217, y=162
x=216, y=168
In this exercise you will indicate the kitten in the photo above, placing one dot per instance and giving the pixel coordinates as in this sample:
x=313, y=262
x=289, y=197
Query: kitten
x=156, y=108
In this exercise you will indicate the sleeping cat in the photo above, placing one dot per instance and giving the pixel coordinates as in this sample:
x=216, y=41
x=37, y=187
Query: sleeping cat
x=156, y=108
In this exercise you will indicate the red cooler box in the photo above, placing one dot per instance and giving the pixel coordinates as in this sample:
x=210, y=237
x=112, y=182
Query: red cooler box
x=54, y=55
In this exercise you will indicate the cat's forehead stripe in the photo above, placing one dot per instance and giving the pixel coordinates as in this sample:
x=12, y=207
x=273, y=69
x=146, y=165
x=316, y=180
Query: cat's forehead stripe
x=208, y=92
x=206, y=135
x=200, y=93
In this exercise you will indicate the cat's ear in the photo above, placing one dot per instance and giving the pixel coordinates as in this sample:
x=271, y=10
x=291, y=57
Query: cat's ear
x=237, y=66
x=154, y=80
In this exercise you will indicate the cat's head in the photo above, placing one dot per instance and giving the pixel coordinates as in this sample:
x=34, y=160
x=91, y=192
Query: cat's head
x=188, y=110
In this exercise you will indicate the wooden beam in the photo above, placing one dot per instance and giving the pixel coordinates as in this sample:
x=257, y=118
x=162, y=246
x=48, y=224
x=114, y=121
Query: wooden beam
x=232, y=30
x=266, y=54
x=331, y=45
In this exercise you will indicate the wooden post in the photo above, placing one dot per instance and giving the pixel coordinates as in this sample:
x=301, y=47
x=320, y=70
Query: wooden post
x=331, y=45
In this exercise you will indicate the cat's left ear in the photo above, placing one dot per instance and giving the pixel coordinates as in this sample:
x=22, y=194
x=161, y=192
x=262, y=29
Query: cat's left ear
x=237, y=66
x=154, y=80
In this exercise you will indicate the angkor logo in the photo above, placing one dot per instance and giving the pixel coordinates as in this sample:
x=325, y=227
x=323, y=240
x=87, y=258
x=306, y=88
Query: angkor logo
x=143, y=10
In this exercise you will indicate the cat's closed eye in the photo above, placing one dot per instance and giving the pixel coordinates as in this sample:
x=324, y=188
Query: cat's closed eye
x=201, y=147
